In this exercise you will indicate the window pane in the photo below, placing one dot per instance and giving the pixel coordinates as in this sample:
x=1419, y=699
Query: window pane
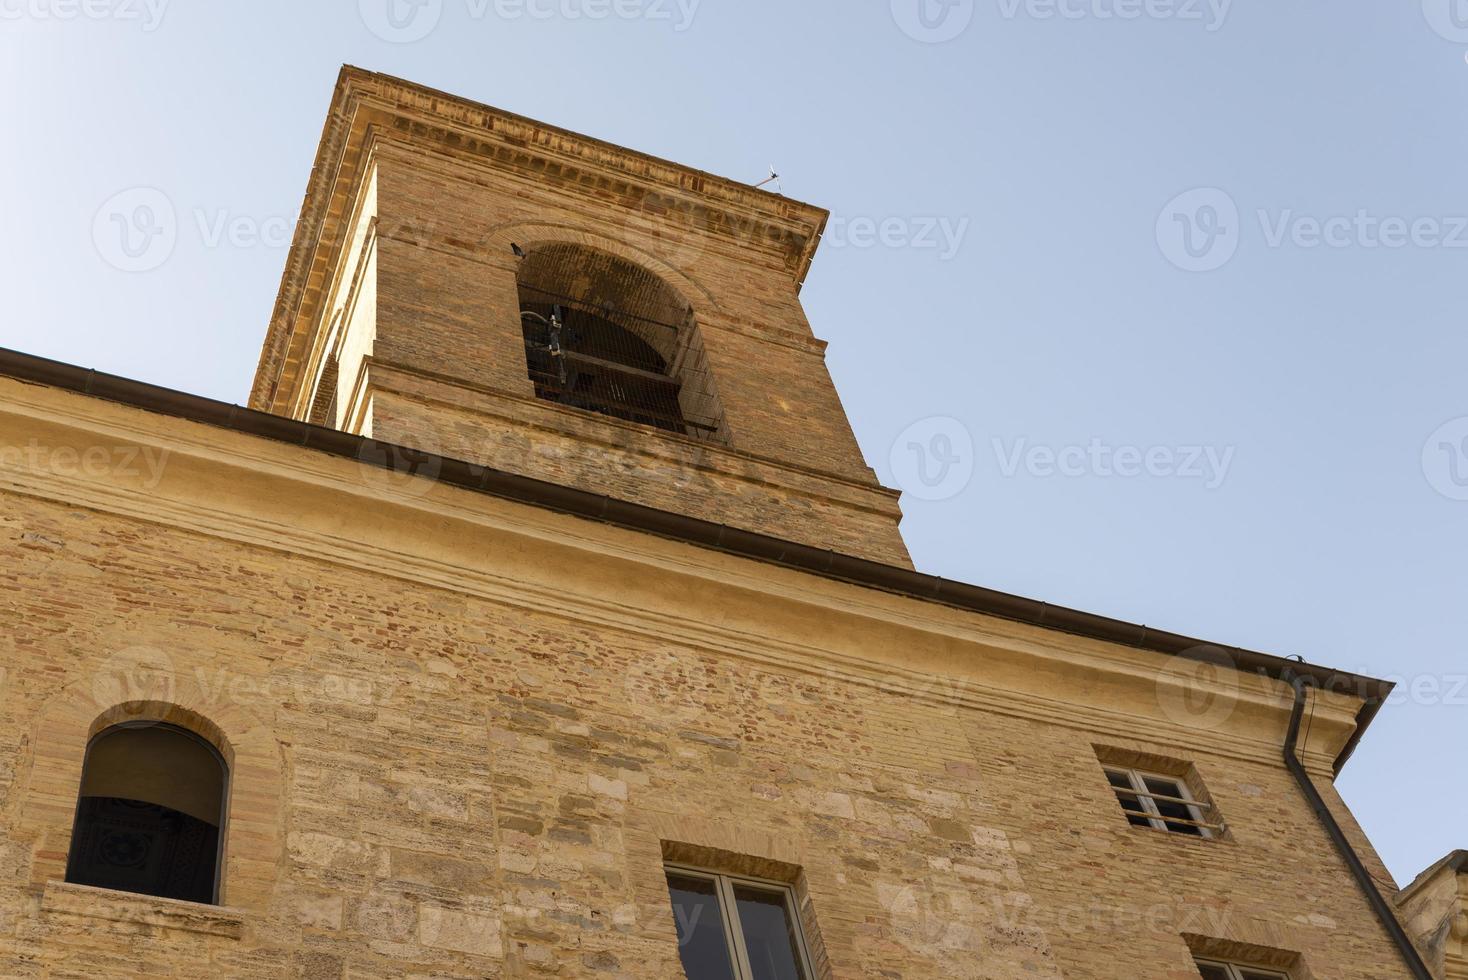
x=1180, y=811
x=769, y=934
x=702, y=943
x=1256, y=975
x=1130, y=801
x=1213, y=971
x=1118, y=779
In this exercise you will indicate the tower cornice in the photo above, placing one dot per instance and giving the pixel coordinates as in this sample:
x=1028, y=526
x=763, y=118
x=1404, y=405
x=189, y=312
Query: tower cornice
x=369, y=106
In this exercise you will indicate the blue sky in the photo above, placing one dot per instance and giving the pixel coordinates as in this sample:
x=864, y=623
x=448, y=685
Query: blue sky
x=1154, y=306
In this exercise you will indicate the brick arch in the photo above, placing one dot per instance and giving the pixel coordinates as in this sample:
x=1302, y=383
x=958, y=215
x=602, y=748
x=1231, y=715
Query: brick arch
x=533, y=234
x=254, y=812
x=656, y=291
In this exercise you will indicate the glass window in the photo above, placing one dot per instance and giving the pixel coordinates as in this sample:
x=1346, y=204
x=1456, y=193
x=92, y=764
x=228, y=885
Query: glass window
x=1161, y=802
x=735, y=928
x=770, y=933
x=1216, y=970
x=703, y=938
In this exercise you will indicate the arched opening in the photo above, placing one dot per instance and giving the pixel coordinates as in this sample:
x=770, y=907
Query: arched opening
x=150, y=815
x=606, y=336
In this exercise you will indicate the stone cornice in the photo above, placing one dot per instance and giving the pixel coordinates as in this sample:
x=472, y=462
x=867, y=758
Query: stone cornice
x=288, y=499
x=534, y=413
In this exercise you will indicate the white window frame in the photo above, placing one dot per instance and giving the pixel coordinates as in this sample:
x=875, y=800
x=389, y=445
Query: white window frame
x=1137, y=778
x=1235, y=971
x=724, y=885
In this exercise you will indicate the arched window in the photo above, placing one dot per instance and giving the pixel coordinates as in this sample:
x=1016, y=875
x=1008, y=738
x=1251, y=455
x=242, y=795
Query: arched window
x=151, y=813
x=606, y=336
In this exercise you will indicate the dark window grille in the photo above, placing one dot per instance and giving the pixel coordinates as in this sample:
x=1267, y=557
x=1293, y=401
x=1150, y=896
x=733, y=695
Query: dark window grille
x=585, y=359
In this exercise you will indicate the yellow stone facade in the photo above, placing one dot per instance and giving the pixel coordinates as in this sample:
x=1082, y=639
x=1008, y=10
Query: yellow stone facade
x=464, y=731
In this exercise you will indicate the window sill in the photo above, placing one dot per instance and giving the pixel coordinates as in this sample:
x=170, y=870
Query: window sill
x=64, y=898
x=1218, y=838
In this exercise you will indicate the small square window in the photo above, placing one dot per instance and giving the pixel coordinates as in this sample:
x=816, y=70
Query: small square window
x=735, y=928
x=1219, y=970
x=1161, y=802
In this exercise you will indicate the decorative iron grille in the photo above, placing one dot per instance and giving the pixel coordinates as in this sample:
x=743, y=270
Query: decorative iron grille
x=603, y=336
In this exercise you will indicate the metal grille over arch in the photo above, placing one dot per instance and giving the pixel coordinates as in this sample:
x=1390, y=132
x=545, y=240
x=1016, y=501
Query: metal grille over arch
x=605, y=335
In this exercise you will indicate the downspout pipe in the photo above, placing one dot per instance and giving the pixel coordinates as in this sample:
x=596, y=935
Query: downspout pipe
x=1379, y=904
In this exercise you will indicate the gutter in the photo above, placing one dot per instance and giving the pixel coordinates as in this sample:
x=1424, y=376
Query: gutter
x=706, y=534
x=1379, y=904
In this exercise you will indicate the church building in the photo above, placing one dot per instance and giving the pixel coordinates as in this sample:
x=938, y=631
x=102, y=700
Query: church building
x=540, y=617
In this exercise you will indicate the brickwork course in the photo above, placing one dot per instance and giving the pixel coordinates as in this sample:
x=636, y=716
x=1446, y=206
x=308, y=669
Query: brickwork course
x=464, y=733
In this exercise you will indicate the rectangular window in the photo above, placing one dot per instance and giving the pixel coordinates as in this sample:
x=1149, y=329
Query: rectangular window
x=1160, y=802
x=1218, y=970
x=735, y=928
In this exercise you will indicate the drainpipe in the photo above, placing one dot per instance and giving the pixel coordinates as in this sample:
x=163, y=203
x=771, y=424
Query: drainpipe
x=1378, y=904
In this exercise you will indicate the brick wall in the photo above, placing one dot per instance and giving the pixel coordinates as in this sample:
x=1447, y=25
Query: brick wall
x=432, y=782
x=438, y=303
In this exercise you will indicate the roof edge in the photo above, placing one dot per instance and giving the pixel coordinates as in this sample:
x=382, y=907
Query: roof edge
x=1453, y=861
x=706, y=534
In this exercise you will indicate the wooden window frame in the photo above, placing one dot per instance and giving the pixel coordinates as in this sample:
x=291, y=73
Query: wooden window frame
x=1235, y=971
x=1136, y=778
x=724, y=885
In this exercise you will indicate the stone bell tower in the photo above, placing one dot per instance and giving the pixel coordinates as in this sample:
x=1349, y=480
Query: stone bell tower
x=494, y=289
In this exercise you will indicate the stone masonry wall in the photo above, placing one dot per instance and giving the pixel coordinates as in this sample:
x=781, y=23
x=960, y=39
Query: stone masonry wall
x=446, y=313
x=429, y=784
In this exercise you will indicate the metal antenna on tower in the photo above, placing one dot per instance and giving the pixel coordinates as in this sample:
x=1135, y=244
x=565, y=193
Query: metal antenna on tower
x=772, y=176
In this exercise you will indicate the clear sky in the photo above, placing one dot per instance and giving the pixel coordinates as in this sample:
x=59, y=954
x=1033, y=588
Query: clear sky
x=1155, y=306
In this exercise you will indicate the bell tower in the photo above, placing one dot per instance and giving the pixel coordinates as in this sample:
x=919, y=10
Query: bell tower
x=486, y=287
